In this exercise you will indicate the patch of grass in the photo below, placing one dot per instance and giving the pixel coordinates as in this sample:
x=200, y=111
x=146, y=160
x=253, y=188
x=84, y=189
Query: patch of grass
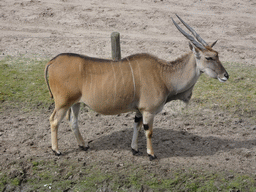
x=35, y=164
x=63, y=185
x=95, y=180
x=134, y=179
x=237, y=95
x=93, y=177
x=242, y=182
x=201, y=181
x=22, y=82
x=3, y=181
x=16, y=181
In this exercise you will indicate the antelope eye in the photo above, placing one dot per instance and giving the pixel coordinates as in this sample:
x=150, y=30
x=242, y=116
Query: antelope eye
x=208, y=58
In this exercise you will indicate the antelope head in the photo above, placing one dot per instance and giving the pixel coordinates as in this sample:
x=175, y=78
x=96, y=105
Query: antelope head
x=207, y=59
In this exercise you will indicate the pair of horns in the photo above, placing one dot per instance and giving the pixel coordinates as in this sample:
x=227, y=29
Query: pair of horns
x=199, y=39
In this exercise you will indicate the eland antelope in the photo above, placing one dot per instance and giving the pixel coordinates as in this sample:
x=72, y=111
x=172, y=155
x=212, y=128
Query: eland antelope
x=141, y=83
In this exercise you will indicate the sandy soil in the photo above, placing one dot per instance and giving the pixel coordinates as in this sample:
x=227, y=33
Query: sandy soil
x=208, y=139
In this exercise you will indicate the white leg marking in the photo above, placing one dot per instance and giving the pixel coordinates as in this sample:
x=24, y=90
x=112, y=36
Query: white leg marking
x=136, y=129
x=134, y=144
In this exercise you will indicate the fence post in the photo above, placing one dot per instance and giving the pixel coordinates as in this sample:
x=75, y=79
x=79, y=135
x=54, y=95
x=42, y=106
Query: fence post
x=115, y=45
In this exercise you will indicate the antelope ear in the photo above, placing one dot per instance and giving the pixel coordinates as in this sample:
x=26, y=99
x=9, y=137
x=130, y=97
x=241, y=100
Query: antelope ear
x=190, y=46
x=214, y=43
x=195, y=50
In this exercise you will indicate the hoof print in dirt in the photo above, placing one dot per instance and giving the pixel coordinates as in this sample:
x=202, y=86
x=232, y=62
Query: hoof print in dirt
x=136, y=153
x=151, y=157
x=56, y=153
x=84, y=148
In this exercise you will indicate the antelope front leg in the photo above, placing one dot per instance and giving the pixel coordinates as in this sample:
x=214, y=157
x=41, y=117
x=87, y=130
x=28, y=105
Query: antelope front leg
x=148, y=119
x=136, y=129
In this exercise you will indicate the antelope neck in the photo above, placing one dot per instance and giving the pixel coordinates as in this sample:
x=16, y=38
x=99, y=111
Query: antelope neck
x=182, y=74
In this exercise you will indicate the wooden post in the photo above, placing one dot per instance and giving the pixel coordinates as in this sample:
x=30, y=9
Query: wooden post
x=115, y=45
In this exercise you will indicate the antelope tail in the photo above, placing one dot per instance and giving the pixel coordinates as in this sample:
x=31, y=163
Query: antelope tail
x=46, y=79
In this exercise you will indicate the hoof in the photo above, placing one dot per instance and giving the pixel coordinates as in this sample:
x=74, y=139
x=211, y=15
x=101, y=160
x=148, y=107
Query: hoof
x=151, y=157
x=56, y=153
x=84, y=148
x=136, y=153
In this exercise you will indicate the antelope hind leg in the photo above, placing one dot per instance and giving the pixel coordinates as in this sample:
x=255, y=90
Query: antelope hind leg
x=55, y=120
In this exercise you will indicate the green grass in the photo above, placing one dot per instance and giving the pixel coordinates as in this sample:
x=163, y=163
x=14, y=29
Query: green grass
x=22, y=82
x=93, y=177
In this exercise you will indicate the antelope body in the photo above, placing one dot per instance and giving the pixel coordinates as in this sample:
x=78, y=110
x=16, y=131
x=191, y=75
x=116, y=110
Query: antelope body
x=141, y=83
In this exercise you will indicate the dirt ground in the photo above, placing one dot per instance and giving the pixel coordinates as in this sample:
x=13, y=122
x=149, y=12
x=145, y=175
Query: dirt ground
x=207, y=139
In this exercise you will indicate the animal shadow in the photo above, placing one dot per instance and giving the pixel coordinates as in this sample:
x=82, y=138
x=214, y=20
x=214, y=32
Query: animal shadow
x=170, y=143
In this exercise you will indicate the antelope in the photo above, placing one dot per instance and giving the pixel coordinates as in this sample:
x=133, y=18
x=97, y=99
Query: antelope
x=140, y=83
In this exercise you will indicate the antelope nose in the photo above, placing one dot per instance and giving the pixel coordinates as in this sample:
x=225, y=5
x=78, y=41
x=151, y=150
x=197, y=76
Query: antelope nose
x=226, y=75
